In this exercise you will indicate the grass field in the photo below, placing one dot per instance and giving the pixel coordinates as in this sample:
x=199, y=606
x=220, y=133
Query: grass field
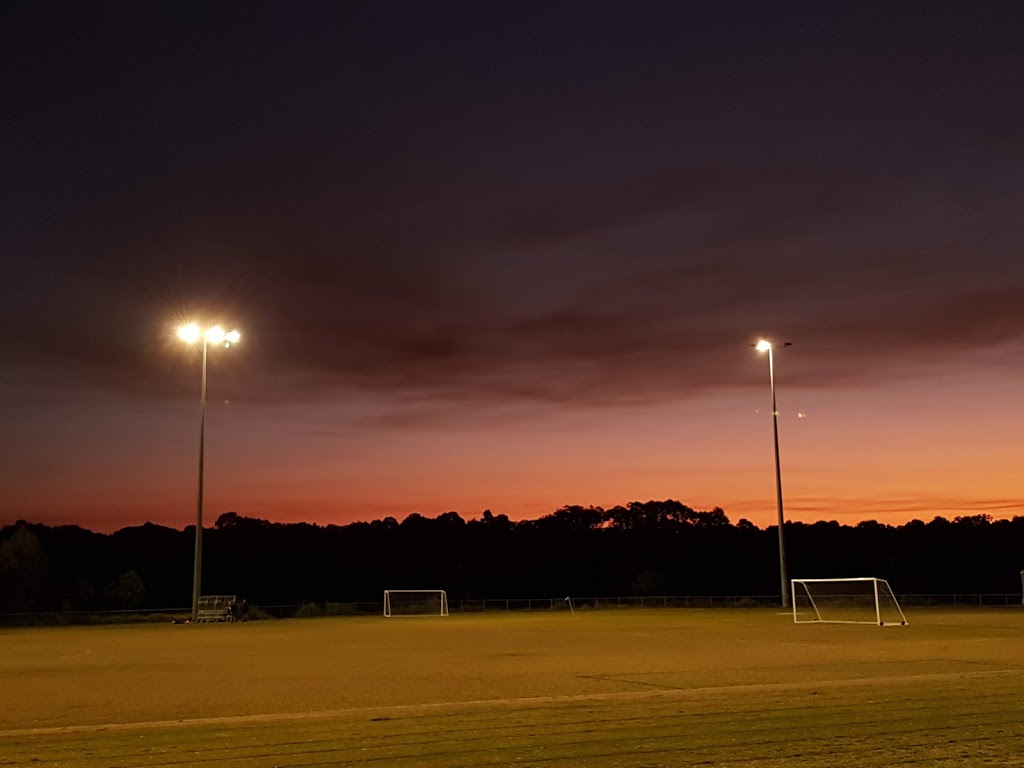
x=605, y=688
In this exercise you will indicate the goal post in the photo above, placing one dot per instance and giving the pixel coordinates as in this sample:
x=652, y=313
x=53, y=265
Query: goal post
x=862, y=600
x=415, y=602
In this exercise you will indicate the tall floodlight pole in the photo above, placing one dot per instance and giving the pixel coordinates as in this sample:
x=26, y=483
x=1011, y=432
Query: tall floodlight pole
x=191, y=334
x=766, y=346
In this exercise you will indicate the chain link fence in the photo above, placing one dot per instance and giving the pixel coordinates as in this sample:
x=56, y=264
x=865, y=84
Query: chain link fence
x=488, y=605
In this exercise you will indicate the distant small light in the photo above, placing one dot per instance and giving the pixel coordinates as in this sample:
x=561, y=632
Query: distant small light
x=801, y=415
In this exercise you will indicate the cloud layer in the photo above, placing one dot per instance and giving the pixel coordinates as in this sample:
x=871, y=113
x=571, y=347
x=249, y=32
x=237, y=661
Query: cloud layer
x=500, y=226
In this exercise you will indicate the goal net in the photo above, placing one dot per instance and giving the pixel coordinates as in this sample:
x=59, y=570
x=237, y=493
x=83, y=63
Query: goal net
x=415, y=602
x=864, y=600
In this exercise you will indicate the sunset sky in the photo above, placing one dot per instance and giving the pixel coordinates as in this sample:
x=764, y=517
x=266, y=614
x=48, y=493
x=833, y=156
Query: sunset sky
x=511, y=256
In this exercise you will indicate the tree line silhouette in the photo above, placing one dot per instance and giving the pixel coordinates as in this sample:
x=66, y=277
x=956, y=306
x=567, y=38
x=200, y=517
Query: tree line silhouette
x=640, y=549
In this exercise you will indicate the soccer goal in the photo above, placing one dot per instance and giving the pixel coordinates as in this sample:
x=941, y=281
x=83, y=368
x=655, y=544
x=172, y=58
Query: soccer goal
x=415, y=602
x=865, y=600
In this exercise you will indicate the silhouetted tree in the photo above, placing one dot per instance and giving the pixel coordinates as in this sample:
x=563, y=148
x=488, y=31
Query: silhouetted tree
x=641, y=548
x=126, y=592
x=24, y=574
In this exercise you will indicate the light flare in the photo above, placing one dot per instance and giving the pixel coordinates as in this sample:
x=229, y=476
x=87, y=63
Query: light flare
x=190, y=333
x=215, y=335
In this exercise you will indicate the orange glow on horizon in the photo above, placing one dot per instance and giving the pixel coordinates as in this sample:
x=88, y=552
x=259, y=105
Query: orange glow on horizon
x=890, y=454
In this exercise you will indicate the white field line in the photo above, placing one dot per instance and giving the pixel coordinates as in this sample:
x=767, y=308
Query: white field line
x=676, y=693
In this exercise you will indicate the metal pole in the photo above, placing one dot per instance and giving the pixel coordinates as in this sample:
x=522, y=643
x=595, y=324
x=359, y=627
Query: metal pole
x=783, y=578
x=197, y=565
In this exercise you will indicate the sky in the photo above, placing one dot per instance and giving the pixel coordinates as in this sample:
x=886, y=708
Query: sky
x=511, y=256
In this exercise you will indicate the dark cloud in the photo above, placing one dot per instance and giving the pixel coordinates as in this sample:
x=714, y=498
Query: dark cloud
x=650, y=301
x=923, y=504
x=554, y=224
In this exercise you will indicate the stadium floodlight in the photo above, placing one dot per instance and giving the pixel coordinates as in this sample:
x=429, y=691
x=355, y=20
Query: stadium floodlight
x=415, y=602
x=764, y=345
x=864, y=600
x=191, y=333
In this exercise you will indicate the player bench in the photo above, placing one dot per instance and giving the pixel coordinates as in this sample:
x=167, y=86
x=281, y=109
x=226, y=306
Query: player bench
x=216, y=608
